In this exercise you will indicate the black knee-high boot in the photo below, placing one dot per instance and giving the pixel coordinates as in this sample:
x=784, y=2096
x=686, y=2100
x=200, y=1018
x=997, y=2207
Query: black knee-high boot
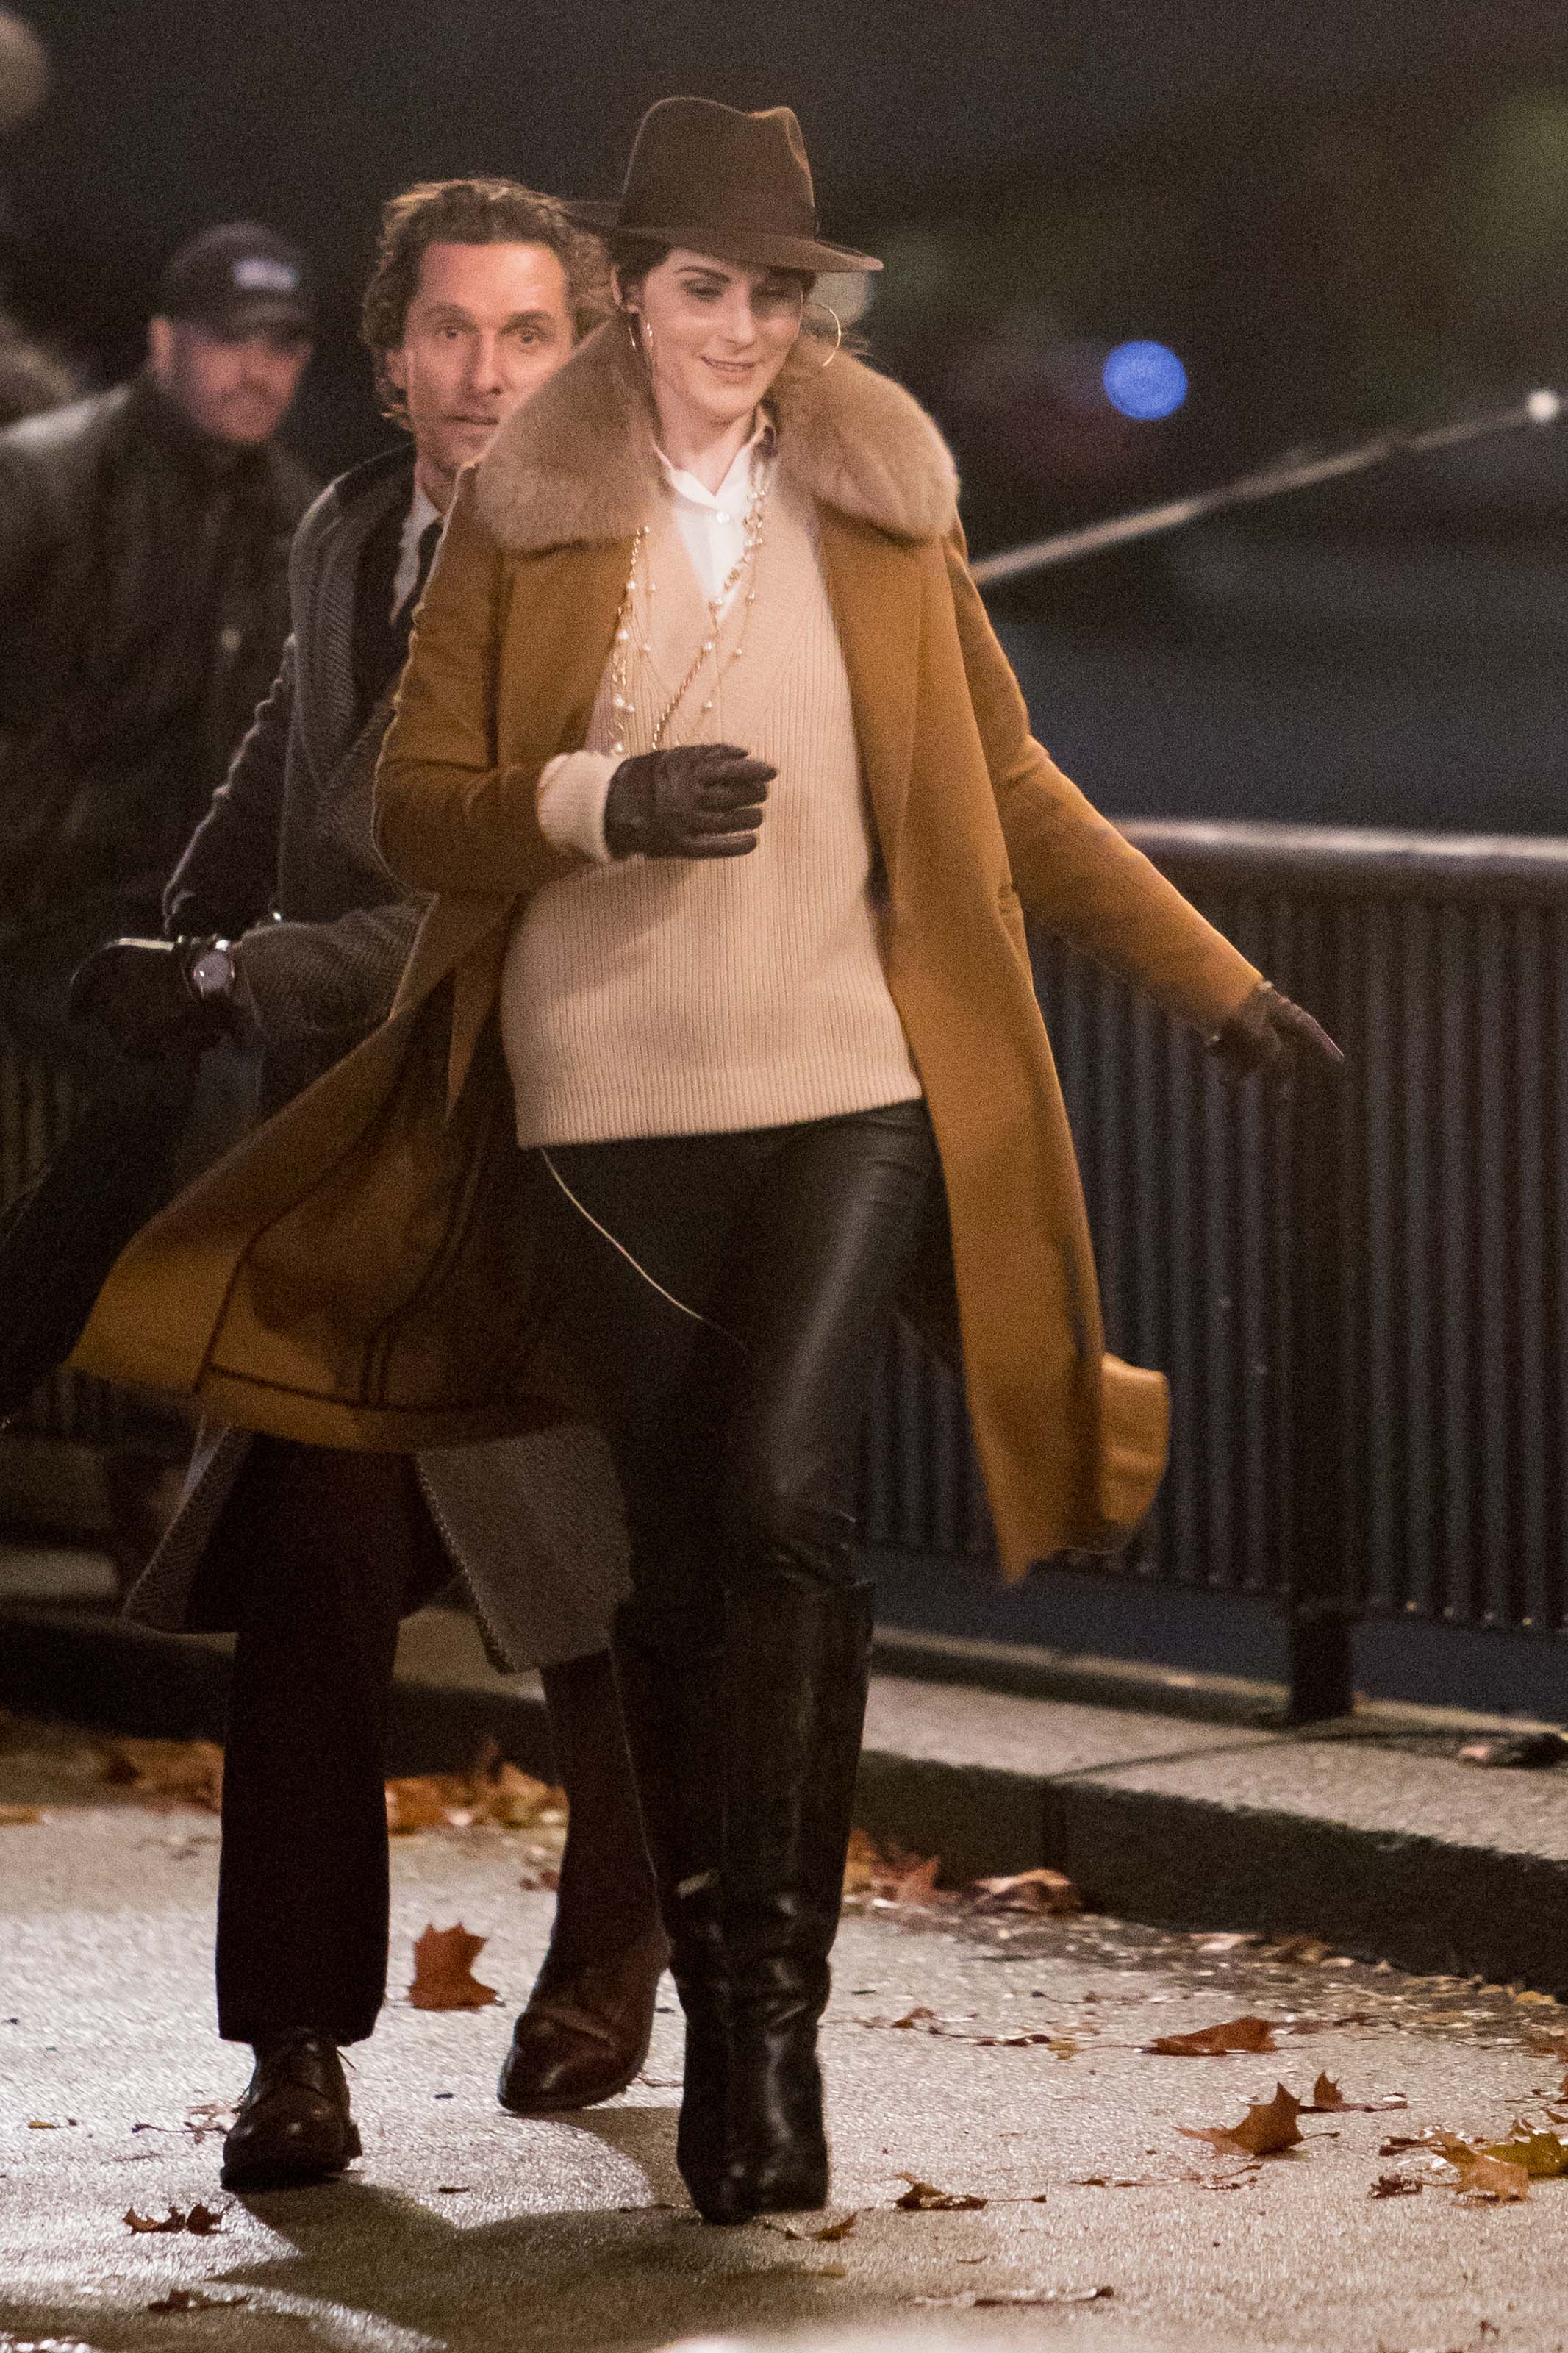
x=745, y=1734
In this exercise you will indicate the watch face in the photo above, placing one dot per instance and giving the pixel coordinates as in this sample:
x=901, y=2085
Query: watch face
x=210, y=973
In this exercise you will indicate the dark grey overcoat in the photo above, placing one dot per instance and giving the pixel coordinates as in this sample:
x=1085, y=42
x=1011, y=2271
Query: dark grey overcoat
x=283, y=864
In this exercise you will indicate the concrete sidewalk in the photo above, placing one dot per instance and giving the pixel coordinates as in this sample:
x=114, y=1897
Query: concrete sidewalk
x=1367, y=1833
x=464, y=2231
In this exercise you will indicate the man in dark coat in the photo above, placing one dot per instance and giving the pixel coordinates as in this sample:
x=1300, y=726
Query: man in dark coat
x=143, y=550
x=287, y=933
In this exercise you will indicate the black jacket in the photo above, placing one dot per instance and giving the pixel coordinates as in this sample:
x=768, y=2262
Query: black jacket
x=287, y=836
x=142, y=605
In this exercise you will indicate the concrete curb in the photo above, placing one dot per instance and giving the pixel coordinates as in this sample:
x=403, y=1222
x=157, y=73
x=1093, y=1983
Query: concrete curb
x=1154, y=1818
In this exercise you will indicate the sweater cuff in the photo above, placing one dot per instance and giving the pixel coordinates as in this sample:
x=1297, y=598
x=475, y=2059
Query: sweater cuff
x=572, y=791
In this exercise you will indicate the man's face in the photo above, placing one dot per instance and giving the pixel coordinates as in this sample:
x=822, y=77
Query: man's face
x=487, y=323
x=234, y=391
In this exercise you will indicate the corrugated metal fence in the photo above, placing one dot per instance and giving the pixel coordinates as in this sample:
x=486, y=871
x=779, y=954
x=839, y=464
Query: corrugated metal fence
x=1360, y=1295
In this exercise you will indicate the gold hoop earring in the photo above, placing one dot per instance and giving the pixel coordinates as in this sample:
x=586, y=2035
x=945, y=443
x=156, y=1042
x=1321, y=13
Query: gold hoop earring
x=642, y=345
x=838, y=330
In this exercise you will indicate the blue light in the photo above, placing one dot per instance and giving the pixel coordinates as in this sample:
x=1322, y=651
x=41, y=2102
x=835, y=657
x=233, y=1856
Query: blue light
x=1144, y=381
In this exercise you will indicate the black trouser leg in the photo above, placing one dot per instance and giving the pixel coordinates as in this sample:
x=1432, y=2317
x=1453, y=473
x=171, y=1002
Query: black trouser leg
x=734, y=1418
x=330, y=1554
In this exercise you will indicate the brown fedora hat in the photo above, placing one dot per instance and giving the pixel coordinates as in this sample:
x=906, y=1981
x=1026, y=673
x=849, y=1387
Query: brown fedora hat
x=717, y=181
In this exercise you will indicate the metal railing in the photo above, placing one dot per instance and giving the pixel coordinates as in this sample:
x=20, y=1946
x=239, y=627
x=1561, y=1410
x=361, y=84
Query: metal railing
x=36, y=1110
x=1360, y=1295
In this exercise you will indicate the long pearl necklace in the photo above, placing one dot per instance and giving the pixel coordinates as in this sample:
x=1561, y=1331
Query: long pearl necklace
x=626, y=621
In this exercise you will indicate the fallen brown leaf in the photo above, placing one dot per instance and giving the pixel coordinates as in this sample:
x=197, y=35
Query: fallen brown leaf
x=175, y=2220
x=203, y=2221
x=830, y=2233
x=891, y=1874
x=919, y=1885
x=1297, y=1947
x=414, y=1803
x=208, y=2118
x=923, y=2020
x=1039, y=1892
x=1107, y=2181
x=1209, y=2041
x=1328, y=2100
x=493, y=1791
x=1531, y=1751
x=1268, y=2127
x=1396, y=2185
x=1492, y=2180
x=167, y=1772
x=516, y=1800
x=192, y=2299
x=979, y=2299
x=1543, y=2155
x=443, y=1975
x=925, y=2198
x=1484, y=2178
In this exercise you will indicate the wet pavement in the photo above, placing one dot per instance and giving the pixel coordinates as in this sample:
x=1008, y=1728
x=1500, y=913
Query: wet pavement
x=1026, y=2087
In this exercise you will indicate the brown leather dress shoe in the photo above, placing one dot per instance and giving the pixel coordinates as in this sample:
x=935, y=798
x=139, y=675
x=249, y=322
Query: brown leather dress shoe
x=293, y=2126
x=586, y=2030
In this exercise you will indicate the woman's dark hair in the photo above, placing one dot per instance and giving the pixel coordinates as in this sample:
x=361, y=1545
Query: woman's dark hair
x=469, y=212
x=632, y=257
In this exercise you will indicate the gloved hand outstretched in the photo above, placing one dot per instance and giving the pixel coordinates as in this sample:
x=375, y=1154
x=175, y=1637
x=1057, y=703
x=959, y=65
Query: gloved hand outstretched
x=1267, y=1033
x=696, y=800
x=143, y=993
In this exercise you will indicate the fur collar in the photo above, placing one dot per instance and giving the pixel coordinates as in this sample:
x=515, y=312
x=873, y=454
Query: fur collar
x=577, y=464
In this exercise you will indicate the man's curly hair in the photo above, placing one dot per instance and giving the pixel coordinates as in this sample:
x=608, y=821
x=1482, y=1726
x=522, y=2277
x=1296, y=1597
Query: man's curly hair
x=469, y=212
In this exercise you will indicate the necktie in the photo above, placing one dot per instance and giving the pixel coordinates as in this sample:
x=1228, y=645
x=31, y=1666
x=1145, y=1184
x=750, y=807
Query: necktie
x=429, y=541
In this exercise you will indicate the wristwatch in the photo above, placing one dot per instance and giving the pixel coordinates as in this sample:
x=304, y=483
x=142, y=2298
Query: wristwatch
x=212, y=976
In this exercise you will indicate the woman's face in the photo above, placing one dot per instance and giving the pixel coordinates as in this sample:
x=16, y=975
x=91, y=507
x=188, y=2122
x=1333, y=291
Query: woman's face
x=716, y=333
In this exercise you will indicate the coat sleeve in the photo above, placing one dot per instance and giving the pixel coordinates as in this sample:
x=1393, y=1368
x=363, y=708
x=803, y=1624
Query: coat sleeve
x=448, y=817
x=229, y=875
x=324, y=985
x=1072, y=870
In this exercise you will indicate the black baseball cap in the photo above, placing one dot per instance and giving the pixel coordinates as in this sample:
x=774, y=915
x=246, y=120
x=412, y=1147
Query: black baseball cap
x=240, y=279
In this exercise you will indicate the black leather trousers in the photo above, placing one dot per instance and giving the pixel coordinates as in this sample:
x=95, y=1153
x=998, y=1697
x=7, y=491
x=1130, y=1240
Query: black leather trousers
x=729, y=1364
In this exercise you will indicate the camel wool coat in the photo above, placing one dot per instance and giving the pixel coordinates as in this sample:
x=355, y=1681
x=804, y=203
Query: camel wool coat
x=357, y=1271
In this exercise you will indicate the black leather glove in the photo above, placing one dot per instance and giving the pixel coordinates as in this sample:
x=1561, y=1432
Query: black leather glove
x=1267, y=1033
x=697, y=800
x=152, y=1000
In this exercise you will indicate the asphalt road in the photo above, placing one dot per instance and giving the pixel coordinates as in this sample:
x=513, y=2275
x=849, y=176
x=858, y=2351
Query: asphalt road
x=464, y=2229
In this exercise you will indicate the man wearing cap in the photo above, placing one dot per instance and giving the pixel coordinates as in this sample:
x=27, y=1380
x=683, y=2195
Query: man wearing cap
x=144, y=545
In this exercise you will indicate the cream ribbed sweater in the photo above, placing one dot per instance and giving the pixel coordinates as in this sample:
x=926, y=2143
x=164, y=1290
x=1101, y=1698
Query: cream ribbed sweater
x=682, y=997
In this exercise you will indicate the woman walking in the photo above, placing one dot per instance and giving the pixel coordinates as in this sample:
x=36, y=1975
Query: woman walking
x=723, y=1075
x=728, y=800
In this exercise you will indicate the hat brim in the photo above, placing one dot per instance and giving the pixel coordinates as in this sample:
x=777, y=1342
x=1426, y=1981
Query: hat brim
x=756, y=249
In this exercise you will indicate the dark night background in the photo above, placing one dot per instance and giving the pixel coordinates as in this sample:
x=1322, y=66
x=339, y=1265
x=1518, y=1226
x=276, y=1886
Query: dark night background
x=1340, y=216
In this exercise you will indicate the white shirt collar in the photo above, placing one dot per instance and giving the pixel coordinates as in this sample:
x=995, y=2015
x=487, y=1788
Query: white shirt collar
x=729, y=499
x=422, y=513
